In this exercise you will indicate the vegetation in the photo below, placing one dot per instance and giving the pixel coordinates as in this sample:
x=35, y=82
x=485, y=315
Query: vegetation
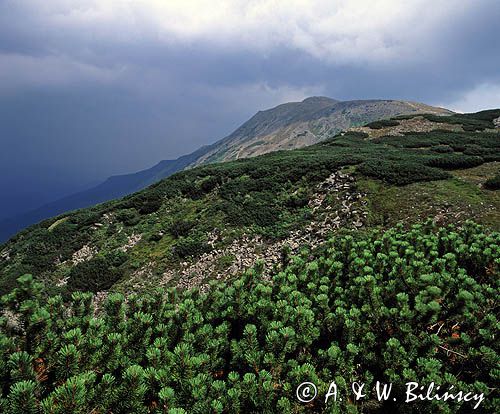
x=86, y=330
x=493, y=183
x=401, y=173
x=478, y=121
x=486, y=142
x=393, y=306
x=455, y=161
x=383, y=123
x=443, y=149
x=267, y=196
x=96, y=274
x=457, y=199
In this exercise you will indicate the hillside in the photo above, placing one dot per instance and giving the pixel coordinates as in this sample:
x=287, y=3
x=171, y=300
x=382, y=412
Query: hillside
x=114, y=187
x=288, y=126
x=216, y=220
x=224, y=287
x=299, y=124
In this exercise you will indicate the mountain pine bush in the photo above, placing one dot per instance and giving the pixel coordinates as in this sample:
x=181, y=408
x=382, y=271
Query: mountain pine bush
x=401, y=172
x=493, y=183
x=455, y=161
x=395, y=306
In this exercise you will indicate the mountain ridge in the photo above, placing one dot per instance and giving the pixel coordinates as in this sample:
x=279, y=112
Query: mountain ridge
x=286, y=126
x=304, y=123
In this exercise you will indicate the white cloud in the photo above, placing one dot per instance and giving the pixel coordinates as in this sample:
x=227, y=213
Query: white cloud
x=483, y=96
x=82, y=39
x=336, y=31
x=339, y=31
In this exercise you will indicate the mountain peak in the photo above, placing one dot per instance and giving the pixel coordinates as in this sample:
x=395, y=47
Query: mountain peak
x=320, y=99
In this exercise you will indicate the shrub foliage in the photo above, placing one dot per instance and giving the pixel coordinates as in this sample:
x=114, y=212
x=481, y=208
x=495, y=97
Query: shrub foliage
x=493, y=183
x=398, y=306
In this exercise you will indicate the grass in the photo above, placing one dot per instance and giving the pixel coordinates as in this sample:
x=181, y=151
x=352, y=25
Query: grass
x=462, y=199
x=56, y=223
x=478, y=175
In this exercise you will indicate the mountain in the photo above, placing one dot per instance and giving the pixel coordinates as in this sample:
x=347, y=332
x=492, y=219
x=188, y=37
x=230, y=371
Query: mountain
x=287, y=126
x=216, y=220
x=247, y=286
x=298, y=124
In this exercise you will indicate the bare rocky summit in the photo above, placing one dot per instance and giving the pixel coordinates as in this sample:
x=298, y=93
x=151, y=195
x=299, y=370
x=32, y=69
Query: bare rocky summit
x=299, y=124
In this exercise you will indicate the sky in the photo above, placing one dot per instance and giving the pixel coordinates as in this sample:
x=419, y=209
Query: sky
x=93, y=88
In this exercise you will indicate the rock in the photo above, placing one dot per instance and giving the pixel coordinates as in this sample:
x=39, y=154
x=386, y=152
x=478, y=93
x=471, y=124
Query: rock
x=131, y=242
x=5, y=255
x=85, y=253
x=496, y=122
x=62, y=282
x=439, y=219
x=13, y=321
x=247, y=250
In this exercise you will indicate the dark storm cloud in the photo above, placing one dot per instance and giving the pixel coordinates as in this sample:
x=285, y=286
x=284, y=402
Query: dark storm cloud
x=80, y=101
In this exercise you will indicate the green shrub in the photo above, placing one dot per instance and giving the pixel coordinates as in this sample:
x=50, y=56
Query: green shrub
x=455, y=161
x=85, y=217
x=493, y=183
x=298, y=199
x=487, y=153
x=392, y=305
x=400, y=172
x=155, y=237
x=442, y=149
x=181, y=227
x=258, y=209
x=355, y=135
x=190, y=246
x=144, y=202
x=459, y=141
x=210, y=182
x=96, y=274
x=129, y=217
x=150, y=206
x=470, y=122
x=475, y=150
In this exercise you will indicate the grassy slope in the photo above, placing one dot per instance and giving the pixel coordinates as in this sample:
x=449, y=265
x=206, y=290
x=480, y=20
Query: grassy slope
x=149, y=234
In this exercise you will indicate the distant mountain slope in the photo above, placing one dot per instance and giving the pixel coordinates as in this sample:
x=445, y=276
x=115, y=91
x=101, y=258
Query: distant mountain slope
x=287, y=126
x=114, y=187
x=298, y=124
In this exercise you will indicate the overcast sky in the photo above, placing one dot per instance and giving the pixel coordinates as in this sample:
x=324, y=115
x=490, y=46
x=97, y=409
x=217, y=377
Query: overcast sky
x=91, y=88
